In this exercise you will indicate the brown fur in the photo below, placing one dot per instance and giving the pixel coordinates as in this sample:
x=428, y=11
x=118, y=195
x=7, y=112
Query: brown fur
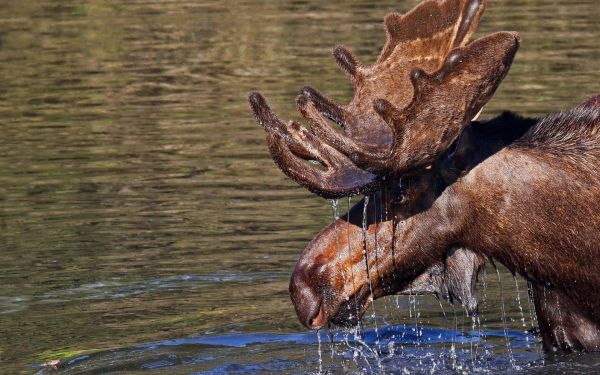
x=515, y=206
x=340, y=245
x=527, y=195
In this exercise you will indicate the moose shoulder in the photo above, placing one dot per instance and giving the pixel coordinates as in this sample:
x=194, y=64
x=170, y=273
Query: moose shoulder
x=535, y=207
x=446, y=192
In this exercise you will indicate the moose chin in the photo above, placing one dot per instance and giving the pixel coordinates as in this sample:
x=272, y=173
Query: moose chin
x=444, y=193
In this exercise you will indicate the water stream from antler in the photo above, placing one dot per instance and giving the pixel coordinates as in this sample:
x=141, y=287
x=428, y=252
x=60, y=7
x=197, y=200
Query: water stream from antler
x=366, y=259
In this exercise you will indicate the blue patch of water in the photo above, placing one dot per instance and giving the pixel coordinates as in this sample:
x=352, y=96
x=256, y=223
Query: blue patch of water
x=397, y=334
x=394, y=348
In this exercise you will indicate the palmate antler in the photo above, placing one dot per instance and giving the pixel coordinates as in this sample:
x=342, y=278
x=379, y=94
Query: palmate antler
x=407, y=108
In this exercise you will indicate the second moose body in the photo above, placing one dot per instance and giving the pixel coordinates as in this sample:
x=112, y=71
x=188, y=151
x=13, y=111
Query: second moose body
x=523, y=193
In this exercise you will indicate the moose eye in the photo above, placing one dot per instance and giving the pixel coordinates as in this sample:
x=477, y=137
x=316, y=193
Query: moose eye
x=399, y=197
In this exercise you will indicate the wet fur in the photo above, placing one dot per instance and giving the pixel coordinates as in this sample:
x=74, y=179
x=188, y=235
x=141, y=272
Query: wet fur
x=526, y=195
x=504, y=193
x=535, y=207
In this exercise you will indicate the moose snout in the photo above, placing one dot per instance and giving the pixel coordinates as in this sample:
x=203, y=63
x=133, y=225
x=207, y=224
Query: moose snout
x=307, y=301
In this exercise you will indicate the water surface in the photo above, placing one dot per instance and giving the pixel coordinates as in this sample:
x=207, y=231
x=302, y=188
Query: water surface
x=138, y=204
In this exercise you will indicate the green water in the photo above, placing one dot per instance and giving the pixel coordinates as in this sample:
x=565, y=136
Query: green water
x=138, y=202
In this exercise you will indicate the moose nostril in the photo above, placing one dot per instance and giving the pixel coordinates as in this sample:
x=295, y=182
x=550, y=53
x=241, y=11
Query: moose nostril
x=315, y=320
x=307, y=298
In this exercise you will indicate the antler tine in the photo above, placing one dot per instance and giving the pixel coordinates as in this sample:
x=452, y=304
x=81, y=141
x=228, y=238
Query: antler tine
x=326, y=106
x=472, y=12
x=289, y=144
x=348, y=63
x=317, y=109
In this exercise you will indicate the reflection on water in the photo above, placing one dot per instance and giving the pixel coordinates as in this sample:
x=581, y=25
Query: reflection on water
x=137, y=201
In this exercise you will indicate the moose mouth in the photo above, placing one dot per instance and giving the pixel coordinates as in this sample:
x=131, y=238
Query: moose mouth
x=348, y=313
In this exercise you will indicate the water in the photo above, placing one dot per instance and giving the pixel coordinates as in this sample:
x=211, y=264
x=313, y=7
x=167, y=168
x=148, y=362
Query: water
x=138, y=204
x=215, y=354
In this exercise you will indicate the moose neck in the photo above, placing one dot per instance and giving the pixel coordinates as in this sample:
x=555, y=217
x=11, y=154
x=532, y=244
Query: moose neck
x=568, y=317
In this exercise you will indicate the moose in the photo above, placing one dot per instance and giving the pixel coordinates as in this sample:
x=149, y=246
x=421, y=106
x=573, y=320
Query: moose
x=443, y=192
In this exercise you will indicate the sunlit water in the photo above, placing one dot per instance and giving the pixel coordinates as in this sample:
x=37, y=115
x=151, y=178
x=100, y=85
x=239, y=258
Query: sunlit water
x=143, y=225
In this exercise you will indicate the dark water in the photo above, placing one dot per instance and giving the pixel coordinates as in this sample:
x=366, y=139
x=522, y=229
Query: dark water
x=143, y=226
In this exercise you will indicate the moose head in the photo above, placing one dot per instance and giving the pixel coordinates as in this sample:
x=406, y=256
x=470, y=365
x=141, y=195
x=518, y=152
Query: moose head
x=398, y=146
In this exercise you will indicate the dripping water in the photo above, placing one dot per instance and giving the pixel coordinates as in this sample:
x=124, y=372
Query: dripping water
x=368, y=356
x=356, y=310
x=471, y=352
x=412, y=312
x=331, y=342
x=403, y=324
x=463, y=335
x=334, y=209
x=335, y=216
x=508, y=345
x=518, y=300
x=453, y=344
x=412, y=298
x=379, y=218
x=484, y=302
x=532, y=313
x=365, y=257
x=443, y=354
x=356, y=352
x=476, y=329
x=320, y=351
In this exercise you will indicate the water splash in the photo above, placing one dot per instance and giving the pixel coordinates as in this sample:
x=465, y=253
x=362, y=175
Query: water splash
x=275, y=353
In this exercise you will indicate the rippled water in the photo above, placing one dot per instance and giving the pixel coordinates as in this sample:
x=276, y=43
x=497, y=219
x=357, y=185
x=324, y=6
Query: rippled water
x=143, y=225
